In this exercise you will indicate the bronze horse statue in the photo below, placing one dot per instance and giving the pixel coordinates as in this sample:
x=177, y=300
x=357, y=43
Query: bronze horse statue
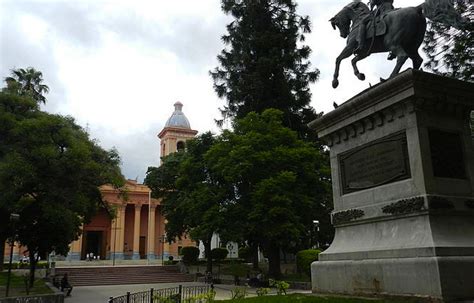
x=404, y=30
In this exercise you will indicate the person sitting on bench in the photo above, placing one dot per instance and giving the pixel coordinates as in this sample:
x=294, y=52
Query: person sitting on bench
x=65, y=285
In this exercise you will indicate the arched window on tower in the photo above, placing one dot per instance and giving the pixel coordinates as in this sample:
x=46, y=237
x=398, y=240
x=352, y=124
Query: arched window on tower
x=180, y=146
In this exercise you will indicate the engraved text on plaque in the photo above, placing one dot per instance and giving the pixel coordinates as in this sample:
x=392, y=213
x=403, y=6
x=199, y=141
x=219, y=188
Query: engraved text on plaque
x=374, y=164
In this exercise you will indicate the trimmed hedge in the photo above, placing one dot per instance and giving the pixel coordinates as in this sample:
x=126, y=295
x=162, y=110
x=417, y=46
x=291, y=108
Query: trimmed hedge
x=237, y=269
x=18, y=265
x=190, y=254
x=245, y=253
x=304, y=258
x=219, y=253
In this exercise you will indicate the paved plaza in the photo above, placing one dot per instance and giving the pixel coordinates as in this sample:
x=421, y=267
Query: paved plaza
x=100, y=294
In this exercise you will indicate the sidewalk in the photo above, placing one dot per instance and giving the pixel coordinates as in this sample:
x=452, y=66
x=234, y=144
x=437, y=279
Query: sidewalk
x=107, y=263
x=100, y=294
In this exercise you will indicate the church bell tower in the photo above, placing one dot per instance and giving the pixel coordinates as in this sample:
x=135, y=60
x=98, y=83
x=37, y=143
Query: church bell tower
x=176, y=132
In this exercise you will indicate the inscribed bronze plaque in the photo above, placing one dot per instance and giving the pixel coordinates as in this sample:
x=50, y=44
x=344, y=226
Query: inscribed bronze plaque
x=376, y=163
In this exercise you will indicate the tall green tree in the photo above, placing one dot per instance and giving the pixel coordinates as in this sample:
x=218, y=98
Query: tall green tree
x=450, y=51
x=50, y=173
x=193, y=197
x=265, y=63
x=162, y=182
x=280, y=183
x=27, y=82
x=13, y=110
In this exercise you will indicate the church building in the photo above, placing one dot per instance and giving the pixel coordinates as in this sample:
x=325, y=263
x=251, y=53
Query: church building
x=138, y=230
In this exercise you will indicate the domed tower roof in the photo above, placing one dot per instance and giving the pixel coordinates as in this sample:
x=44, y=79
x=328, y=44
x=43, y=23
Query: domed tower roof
x=176, y=132
x=178, y=119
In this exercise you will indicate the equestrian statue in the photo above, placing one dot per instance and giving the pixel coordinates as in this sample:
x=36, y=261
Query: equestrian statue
x=383, y=28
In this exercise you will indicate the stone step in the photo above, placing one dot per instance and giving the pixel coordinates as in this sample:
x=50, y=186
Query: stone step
x=89, y=276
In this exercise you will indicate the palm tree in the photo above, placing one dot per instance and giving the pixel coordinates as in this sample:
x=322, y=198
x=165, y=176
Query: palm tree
x=27, y=82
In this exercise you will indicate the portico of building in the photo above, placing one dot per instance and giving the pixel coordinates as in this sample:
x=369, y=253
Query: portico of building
x=137, y=232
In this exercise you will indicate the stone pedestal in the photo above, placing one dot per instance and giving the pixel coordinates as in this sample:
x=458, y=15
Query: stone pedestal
x=402, y=162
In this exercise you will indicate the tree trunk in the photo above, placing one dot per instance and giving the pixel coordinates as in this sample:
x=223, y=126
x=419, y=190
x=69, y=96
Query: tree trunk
x=207, y=251
x=33, y=262
x=2, y=251
x=4, y=228
x=274, y=270
x=254, y=251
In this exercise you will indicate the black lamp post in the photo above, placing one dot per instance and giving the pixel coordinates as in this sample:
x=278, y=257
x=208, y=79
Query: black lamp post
x=162, y=240
x=316, y=224
x=115, y=241
x=13, y=219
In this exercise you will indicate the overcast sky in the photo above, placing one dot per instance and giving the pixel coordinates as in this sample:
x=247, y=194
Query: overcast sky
x=118, y=66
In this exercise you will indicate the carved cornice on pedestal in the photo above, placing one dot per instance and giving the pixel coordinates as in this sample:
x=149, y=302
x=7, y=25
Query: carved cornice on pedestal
x=408, y=92
x=378, y=119
x=346, y=216
x=405, y=206
x=417, y=204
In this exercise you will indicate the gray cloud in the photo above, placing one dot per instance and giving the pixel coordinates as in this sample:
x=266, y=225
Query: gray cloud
x=138, y=150
x=83, y=26
x=17, y=52
x=68, y=20
x=191, y=39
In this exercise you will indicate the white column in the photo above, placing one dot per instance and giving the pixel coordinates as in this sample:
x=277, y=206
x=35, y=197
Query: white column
x=151, y=231
x=136, y=232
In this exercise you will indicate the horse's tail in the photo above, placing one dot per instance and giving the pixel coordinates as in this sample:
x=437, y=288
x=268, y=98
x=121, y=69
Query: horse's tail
x=442, y=11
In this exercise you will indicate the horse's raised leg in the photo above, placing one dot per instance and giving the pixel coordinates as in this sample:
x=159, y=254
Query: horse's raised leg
x=346, y=52
x=400, y=61
x=416, y=59
x=354, y=61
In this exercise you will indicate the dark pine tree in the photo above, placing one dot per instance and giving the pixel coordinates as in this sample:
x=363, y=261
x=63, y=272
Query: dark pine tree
x=450, y=51
x=265, y=63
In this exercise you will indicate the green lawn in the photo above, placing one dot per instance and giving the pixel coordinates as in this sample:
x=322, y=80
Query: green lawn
x=298, y=298
x=17, y=286
x=296, y=278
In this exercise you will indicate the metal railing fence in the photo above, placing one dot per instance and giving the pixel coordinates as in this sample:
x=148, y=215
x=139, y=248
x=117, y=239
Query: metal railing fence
x=166, y=295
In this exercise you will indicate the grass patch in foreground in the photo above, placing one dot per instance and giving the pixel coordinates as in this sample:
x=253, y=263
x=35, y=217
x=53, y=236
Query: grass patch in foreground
x=298, y=298
x=17, y=286
x=296, y=278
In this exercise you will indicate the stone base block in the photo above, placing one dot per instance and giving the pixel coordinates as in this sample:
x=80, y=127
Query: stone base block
x=117, y=256
x=151, y=256
x=136, y=256
x=16, y=257
x=448, y=278
x=73, y=256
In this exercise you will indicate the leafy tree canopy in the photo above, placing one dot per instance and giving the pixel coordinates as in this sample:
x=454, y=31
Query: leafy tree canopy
x=192, y=196
x=450, y=51
x=281, y=184
x=50, y=173
x=264, y=64
x=27, y=82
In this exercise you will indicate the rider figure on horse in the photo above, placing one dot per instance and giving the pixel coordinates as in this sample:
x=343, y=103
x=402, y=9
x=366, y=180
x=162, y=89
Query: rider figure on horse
x=383, y=6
